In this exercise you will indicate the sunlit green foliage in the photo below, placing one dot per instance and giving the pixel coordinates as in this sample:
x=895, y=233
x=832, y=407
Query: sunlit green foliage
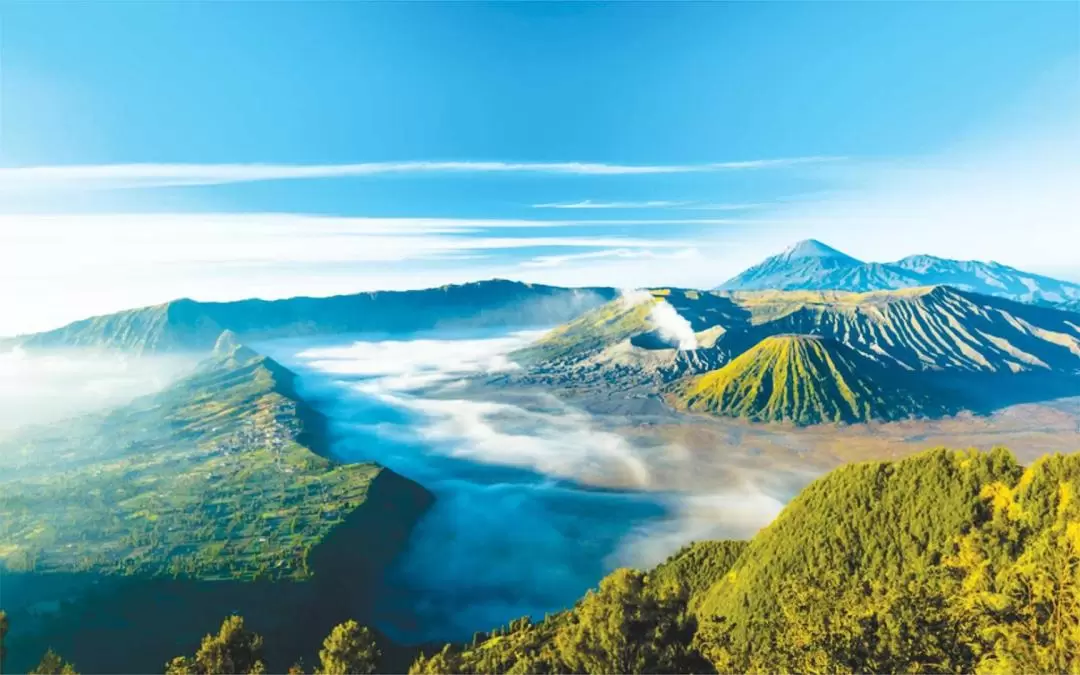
x=633, y=623
x=698, y=566
x=52, y=664
x=881, y=519
x=630, y=626
x=350, y=649
x=234, y=650
x=945, y=562
x=950, y=562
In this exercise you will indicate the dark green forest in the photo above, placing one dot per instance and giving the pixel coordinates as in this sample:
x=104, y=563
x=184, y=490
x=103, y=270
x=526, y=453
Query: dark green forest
x=945, y=562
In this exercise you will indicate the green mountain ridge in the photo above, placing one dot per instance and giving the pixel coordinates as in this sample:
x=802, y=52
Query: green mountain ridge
x=214, y=496
x=805, y=380
x=224, y=474
x=189, y=325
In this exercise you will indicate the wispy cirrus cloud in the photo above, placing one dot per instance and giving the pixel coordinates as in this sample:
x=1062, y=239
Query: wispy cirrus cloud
x=725, y=207
x=68, y=266
x=103, y=225
x=620, y=253
x=101, y=241
x=590, y=204
x=649, y=204
x=118, y=176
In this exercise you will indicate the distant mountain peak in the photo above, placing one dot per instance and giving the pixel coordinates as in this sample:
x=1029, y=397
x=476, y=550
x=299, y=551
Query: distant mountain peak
x=810, y=265
x=801, y=265
x=812, y=248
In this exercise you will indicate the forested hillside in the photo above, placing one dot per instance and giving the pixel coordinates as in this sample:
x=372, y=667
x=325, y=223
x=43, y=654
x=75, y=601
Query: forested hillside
x=948, y=561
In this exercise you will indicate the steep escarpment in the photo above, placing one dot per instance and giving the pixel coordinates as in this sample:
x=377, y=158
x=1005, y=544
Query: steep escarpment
x=190, y=325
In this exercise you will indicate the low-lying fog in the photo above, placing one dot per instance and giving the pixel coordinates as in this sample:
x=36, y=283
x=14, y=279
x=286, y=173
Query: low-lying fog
x=38, y=388
x=535, y=500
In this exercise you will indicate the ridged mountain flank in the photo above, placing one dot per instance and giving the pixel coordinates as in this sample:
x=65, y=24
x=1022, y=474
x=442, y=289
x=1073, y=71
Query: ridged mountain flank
x=935, y=329
x=805, y=380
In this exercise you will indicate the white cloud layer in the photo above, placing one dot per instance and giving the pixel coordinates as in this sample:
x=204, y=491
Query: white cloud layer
x=590, y=204
x=551, y=261
x=113, y=176
x=499, y=471
x=651, y=204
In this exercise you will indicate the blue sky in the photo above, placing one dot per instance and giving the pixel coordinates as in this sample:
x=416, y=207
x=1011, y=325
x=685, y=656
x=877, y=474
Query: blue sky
x=401, y=145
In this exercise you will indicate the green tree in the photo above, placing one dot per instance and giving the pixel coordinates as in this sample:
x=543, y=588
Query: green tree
x=234, y=650
x=53, y=664
x=350, y=649
x=440, y=663
x=629, y=627
x=3, y=635
x=1032, y=614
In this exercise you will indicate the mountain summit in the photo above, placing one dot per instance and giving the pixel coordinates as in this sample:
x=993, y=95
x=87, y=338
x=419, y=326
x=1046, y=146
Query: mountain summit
x=810, y=265
x=812, y=248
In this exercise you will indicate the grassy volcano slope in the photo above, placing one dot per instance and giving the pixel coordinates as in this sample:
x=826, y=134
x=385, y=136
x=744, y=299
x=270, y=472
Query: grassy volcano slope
x=221, y=475
x=806, y=380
